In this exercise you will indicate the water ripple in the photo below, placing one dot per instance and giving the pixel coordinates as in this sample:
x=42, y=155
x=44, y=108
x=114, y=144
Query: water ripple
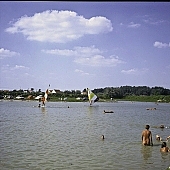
x=59, y=137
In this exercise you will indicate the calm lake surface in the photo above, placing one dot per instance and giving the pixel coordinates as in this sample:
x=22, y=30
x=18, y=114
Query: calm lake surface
x=58, y=137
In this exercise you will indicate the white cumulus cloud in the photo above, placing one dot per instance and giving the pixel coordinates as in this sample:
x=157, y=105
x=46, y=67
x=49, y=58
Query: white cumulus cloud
x=19, y=67
x=59, y=26
x=98, y=60
x=161, y=45
x=7, y=53
x=89, y=56
x=65, y=52
x=81, y=72
x=135, y=71
x=11, y=69
x=133, y=25
x=131, y=71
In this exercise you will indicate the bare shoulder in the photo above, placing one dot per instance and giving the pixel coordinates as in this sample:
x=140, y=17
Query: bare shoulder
x=165, y=149
x=144, y=131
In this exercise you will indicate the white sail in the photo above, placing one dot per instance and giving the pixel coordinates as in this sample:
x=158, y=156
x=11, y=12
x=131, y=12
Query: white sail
x=44, y=98
x=92, y=97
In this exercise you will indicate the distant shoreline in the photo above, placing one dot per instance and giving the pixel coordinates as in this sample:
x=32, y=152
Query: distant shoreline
x=101, y=100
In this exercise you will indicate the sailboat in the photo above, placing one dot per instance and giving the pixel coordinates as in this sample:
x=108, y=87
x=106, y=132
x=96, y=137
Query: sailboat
x=92, y=97
x=44, y=98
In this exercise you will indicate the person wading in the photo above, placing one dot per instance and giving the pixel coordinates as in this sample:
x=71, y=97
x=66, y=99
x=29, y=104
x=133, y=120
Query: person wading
x=147, y=136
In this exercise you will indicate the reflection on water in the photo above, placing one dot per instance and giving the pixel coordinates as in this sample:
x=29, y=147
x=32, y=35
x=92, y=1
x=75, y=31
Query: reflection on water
x=146, y=151
x=62, y=137
x=164, y=156
x=43, y=110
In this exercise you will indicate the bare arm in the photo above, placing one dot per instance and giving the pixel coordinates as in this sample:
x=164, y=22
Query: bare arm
x=151, y=139
x=142, y=136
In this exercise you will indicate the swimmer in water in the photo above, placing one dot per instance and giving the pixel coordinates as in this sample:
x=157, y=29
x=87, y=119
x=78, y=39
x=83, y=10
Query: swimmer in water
x=162, y=126
x=102, y=137
x=168, y=138
x=164, y=148
x=158, y=138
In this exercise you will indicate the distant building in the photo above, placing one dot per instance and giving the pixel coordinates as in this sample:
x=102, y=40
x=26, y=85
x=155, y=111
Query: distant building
x=54, y=91
x=83, y=93
x=19, y=97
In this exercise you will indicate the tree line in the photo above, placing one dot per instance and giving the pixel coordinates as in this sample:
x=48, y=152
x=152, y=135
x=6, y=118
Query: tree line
x=123, y=91
x=102, y=93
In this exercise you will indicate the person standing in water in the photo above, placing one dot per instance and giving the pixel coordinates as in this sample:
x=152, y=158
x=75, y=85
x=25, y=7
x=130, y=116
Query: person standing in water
x=147, y=136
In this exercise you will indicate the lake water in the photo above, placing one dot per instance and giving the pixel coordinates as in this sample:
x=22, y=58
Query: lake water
x=61, y=138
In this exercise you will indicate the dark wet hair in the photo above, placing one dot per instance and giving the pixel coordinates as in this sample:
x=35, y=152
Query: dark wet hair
x=163, y=144
x=147, y=126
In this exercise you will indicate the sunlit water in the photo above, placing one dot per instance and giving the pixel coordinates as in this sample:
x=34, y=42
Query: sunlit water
x=58, y=137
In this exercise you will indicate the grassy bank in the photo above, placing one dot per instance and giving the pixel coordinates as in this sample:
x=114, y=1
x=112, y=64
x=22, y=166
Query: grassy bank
x=142, y=98
x=152, y=98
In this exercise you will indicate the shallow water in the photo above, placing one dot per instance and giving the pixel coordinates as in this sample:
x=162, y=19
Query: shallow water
x=58, y=137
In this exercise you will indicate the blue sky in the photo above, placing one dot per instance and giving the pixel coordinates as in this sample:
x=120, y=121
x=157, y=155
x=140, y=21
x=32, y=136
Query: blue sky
x=75, y=45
